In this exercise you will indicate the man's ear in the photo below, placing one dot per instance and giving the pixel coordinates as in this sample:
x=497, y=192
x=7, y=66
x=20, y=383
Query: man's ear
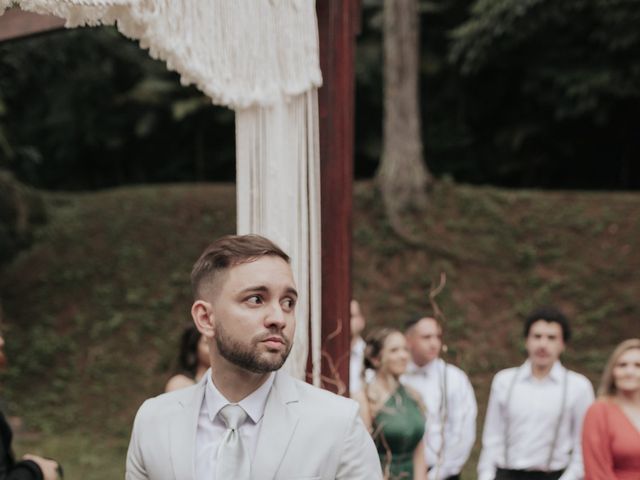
x=203, y=318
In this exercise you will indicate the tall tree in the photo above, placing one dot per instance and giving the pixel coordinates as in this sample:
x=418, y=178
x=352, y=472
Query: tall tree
x=402, y=175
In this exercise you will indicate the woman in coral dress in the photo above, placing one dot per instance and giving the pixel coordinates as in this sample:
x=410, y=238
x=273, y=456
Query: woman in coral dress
x=611, y=430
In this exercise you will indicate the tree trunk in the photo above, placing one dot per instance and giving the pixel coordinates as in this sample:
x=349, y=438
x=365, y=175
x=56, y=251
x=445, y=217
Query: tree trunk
x=402, y=175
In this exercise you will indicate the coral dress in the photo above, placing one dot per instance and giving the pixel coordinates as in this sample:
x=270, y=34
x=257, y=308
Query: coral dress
x=610, y=444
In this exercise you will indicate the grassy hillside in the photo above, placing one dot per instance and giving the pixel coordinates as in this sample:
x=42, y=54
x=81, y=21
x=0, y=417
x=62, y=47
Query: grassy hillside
x=93, y=309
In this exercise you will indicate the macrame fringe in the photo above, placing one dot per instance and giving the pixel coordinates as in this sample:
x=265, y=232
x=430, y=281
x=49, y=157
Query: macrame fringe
x=240, y=53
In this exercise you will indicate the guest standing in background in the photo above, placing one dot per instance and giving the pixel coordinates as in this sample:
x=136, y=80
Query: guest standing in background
x=393, y=413
x=533, y=425
x=193, y=360
x=356, y=360
x=450, y=429
x=611, y=432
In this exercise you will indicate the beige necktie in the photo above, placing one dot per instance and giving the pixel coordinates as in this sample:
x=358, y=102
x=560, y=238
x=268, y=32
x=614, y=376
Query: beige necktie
x=233, y=461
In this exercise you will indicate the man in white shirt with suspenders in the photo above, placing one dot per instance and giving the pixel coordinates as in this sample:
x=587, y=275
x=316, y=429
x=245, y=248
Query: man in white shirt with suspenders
x=450, y=429
x=534, y=417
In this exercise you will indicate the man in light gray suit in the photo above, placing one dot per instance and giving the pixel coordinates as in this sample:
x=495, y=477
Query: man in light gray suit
x=245, y=419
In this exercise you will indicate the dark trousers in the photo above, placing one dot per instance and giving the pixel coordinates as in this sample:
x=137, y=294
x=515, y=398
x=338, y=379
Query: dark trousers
x=504, y=474
x=452, y=477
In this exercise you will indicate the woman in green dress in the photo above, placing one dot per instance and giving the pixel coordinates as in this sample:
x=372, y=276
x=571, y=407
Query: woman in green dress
x=393, y=412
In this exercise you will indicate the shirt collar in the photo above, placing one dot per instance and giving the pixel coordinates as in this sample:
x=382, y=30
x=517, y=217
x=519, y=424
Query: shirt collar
x=555, y=374
x=425, y=370
x=254, y=403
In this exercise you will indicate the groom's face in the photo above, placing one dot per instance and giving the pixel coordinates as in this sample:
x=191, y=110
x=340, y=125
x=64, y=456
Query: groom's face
x=254, y=314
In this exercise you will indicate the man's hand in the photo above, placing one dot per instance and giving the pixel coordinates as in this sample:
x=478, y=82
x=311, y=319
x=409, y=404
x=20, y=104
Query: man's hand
x=49, y=467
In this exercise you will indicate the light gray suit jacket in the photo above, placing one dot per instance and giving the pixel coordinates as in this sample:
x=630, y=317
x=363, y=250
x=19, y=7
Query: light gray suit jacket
x=307, y=433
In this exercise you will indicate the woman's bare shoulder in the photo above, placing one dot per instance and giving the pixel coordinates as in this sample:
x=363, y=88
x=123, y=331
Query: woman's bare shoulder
x=177, y=382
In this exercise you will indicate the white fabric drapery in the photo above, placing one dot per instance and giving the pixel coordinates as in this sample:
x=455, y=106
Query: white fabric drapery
x=260, y=58
x=278, y=185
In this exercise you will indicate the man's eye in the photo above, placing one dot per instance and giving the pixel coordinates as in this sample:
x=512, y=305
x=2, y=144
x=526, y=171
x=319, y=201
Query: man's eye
x=254, y=299
x=289, y=303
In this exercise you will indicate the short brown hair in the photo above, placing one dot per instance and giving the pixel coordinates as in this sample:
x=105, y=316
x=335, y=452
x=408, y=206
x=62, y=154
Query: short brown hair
x=227, y=252
x=607, y=386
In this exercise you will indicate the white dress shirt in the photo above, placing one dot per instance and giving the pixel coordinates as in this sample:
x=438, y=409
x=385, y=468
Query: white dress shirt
x=356, y=364
x=458, y=414
x=211, y=428
x=528, y=418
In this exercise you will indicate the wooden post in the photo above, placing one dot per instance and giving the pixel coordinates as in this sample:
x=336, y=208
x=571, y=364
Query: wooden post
x=337, y=24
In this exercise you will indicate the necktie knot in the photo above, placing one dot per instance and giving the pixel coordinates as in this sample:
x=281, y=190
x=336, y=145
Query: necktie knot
x=233, y=416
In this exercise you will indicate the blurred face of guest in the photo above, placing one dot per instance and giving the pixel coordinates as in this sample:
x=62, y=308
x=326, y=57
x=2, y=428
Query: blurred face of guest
x=395, y=355
x=424, y=340
x=626, y=371
x=203, y=352
x=544, y=344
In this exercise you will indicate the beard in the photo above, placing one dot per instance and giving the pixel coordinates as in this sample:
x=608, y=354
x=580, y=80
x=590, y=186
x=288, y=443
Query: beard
x=247, y=355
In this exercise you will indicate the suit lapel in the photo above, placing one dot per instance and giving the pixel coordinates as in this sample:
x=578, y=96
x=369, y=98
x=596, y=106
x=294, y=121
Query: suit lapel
x=182, y=433
x=278, y=424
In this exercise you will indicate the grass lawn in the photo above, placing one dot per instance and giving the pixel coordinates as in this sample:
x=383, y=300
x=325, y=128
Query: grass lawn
x=94, y=308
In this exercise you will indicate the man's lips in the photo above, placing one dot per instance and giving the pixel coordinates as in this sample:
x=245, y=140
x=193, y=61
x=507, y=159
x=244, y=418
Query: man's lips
x=274, y=342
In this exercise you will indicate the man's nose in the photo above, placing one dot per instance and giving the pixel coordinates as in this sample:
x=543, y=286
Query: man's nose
x=275, y=316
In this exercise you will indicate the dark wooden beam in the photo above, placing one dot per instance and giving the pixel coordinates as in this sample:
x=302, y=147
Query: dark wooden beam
x=16, y=23
x=338, y=22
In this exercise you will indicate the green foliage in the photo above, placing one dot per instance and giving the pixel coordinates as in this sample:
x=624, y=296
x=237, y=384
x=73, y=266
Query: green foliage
x=518, y=92
x=514, y=92
x=91, y=102
x=556, y=86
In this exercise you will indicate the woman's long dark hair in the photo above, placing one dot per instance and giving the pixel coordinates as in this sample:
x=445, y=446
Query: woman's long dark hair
x=188, y=356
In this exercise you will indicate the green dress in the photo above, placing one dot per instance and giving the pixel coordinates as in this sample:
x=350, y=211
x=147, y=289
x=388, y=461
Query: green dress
x=397, y=429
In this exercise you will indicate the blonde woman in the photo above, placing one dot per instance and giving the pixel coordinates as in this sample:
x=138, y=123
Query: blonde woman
x=392, y=412
x=611, y=430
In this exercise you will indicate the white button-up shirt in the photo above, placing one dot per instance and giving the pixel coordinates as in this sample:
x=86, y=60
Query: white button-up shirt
x=356, y=364
x=211, y=428
x=456, y=426
x=527, y=418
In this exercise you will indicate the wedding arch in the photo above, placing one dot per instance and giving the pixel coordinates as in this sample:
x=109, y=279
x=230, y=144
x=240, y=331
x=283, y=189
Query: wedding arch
x=267, y=60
